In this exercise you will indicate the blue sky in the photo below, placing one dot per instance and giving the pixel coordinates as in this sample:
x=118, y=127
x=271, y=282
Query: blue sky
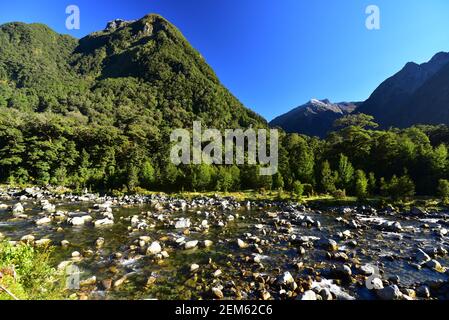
x=277, y=54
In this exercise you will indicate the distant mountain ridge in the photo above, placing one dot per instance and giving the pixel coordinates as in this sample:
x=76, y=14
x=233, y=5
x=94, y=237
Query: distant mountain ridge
x=315, y=118
x=390, y=103
x=417, y=94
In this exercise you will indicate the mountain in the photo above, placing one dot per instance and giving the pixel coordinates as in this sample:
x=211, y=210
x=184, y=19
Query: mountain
x=417, y=94
x=315, y=118
x=99, y=112
x=144, y=66
x=395, y=101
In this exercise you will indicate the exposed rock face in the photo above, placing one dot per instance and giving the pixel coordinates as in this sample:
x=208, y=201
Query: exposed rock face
x=117, y=23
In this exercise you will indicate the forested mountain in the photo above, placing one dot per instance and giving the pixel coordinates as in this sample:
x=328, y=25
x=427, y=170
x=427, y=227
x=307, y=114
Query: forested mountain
x=109, y=99
x=315, y=118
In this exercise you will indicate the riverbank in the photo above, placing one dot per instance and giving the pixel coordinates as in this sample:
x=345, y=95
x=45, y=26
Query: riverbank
x=196, y=246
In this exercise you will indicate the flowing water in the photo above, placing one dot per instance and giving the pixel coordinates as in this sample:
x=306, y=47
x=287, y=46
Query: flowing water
x=171, y=277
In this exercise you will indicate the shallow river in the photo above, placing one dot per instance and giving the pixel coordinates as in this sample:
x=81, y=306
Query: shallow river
x=145, y=277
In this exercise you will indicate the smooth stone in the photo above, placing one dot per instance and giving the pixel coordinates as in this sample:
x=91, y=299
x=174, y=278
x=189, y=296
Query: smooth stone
x=43, y=221
x=242, y=244
x=191, y=244
x=309, y=295
x=154, y=248
x=104, y=222
x=389, y=293
x=217, y=293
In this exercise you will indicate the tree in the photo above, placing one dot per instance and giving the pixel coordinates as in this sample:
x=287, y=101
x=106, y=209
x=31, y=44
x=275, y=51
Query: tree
x=224, y=180
x=361, y=184
x=298, y=189
x=148, y=174
x=328, y=178
x=360, y=120
x=278, y=182
x=372, y=183
x=345, y=172
x=201, y=176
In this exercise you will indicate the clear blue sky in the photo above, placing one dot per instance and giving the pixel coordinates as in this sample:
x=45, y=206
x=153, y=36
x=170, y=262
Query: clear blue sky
x=276, y=54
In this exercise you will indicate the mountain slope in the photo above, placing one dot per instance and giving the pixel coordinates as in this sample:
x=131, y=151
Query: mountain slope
x=388, y=103
x=146, y=67
x=315, y=118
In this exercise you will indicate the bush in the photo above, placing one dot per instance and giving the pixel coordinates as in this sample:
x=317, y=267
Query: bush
x=443, y=189
x=339, y=194
x=298, y=189
x=27, y=273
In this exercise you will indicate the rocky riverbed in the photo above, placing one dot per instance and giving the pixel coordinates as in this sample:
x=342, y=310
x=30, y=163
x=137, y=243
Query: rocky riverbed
x=157, y=247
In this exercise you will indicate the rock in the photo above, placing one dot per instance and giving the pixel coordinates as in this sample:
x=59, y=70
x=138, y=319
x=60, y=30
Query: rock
x=326, y=294
x=208, y=243
x=43, y=242
x=119, y=282
x=104, y=222
x=410, y=293
x=286, y=279
x=389, y=293
x=65, y=243
x=28, y=239
x=342, y=272
x=194, y=267
x=217, y=293
x=48, y=207
x=376, y=284
x=191, y=245
x=43, y=221
x=100, y=242
x=418, y=211
x=422, y=257
x=394, y=279
x=328, y=244
x=265, y=295
x=76, y=254
x=217, y=273
x=367, y=270
x=89, y=282
x=80, y=221
x=423, y=292
x=435, y=265
x=309, y=295
x=17, y=208
x=64, y=265
x=242, y=244
x=154, y=248
x=183, y=224
x=106, y=284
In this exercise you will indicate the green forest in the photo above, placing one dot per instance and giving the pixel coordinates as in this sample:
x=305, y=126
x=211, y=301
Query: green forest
x=97, y=113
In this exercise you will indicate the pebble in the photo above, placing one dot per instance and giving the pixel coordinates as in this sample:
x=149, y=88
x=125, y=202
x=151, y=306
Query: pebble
x=191, y=245
x=154, y=248
x=389, y=293
x=217, y=293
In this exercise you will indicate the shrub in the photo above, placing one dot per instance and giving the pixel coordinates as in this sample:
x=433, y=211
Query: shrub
x=27, y=273
x=443, y=189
